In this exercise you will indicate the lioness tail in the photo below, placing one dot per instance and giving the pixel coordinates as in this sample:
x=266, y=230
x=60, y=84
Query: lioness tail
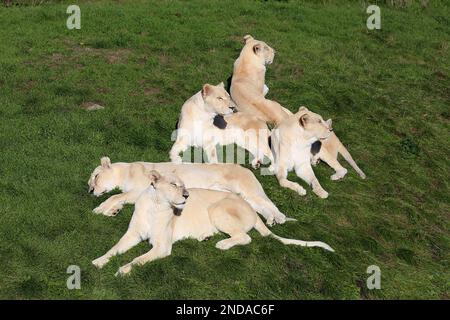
x=264, y=231
x=303, y=243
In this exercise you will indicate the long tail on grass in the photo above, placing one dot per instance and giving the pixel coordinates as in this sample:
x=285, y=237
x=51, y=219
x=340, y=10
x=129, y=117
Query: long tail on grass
x=264, y=231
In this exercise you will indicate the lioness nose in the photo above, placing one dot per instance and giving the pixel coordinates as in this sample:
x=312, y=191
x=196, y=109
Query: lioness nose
x=91, y=190
x=185, y=194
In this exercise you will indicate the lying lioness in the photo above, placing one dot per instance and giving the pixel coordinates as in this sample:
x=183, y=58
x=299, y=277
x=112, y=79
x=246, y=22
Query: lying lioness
x=166, y=212
x=248, y=82
x=198, y=127
x=291, y=146
x=132, y=179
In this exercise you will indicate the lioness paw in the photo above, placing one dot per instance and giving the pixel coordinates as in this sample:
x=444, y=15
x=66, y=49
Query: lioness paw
x=108, y=210
x=280, y=219
x=339, y=175
x=124, y=270
x=321, y=193
x=100, y=262
x=223, y=245
x=204, y=237
x=315, y=161
x=176, y=159
x=256, y=163
x=270, y=221
x=300, y=190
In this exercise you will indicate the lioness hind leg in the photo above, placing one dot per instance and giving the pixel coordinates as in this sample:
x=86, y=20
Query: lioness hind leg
x=267, y=209
x=333, y=163
x=234, y=217
x=235, y=240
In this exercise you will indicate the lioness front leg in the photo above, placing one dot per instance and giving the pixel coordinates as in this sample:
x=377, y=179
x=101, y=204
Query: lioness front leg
x=211, y=152
x=114, y=204
x=129, y=240
x=284, y=182
x=180, y=145
x=305, y=172
x=153, y=254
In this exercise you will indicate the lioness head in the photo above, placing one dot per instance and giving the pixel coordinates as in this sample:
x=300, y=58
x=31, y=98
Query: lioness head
x=103, y=178
x=259, y=49
x=171, y=189
x=217, y=100
x=313, y=124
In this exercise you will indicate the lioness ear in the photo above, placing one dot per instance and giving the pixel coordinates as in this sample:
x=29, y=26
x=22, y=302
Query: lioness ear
x=221, y=85
x=257, y=48
x=303, y=108
x=206, y=90
x=105, y=162
x=303, y=120
x=247, y=38
x=329, y=123
x=154, y=176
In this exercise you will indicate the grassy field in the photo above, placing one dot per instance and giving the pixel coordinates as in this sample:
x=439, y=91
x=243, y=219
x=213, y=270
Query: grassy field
x=386, y=90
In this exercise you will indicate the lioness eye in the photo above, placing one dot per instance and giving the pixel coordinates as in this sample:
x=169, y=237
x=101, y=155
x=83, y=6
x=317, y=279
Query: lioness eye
x=220, y=98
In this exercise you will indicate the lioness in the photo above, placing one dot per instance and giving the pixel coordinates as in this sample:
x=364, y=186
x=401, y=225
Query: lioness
x=328, y=153
x=166, y=212
x=197, y=127
x=291, y=146
x=132, y=179
x=248, y=82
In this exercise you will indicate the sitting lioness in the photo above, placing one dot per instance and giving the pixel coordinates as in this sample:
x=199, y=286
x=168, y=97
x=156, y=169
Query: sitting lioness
x=132, y=179
x=166, y=212
x=248, y=82
x=291, y=146
x=199, y=126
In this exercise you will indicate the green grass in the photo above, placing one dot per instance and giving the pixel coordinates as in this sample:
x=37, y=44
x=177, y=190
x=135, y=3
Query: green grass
x=386, y=90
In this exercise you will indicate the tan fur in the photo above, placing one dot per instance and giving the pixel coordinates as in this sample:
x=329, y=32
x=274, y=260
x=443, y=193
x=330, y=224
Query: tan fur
x=204, y=213
x=291, y=145
x=328, y=153
x=196, y=127
x=247, y=84
x=132, y=179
